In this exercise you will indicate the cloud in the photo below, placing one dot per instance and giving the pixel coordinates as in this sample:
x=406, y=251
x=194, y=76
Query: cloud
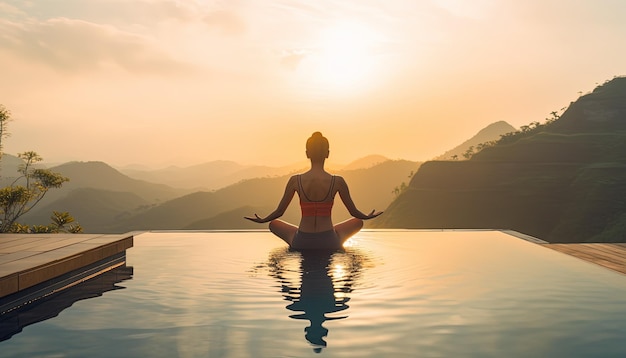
x=70, y=45
x=290, y=59
x=10, y=10
x=302, y=9
x=110, y=11
x=477, y=9
x=227, y=22
x=138, y=13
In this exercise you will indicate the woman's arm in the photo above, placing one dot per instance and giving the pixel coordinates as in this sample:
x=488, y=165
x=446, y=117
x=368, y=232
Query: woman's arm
x=290, y=190
x=344, y=193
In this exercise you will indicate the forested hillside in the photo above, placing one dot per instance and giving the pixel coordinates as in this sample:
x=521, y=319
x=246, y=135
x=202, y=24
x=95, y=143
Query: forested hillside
x=562, y=181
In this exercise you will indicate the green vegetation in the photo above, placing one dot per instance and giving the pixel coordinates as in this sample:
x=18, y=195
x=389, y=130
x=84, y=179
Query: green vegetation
x=561, y=181
x=525, y=131
x=61, y=222
x=27, y=190
x=5, y=118
x=402, y=187
x=489, y=134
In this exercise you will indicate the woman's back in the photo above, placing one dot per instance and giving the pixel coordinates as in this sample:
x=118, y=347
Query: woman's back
x=316, y=187
x=317, y=191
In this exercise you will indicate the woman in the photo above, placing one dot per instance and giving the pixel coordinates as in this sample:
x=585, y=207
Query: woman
x=316, y=189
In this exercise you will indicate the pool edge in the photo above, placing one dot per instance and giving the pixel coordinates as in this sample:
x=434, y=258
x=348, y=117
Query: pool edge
x=55, y=262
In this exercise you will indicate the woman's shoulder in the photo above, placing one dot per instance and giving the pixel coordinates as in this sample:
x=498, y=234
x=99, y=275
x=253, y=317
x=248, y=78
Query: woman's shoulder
x=293, y=180
x=339, y=179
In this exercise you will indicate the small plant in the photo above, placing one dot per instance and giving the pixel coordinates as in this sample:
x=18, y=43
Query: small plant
x=60, y=221
x=27, y=190
x=59, y=224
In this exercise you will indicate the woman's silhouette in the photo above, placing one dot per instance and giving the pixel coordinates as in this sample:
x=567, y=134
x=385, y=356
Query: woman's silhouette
x=322, y=290
x=316, y=189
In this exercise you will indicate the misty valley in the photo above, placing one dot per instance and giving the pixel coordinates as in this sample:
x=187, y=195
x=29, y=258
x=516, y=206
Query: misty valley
x=561, y=181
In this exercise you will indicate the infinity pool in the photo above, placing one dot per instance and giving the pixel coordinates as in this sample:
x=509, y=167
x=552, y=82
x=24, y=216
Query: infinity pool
x=389, y=294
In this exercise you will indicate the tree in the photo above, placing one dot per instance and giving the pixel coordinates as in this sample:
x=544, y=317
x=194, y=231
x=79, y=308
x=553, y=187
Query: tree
x=399, y=189
x=469, y=152
x=27, y=189
x=61, y=219
x=5, y=117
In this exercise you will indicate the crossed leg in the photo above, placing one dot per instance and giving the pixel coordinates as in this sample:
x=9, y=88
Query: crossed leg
x=346, y=229
x=287, y=231
x=284, y=230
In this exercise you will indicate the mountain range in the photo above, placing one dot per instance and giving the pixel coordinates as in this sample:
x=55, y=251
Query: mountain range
x=562, y=181
x=105, y=200
x=220, y=173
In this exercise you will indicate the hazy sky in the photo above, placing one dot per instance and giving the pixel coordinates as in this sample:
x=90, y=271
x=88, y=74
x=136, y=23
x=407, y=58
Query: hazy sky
x=181, y=81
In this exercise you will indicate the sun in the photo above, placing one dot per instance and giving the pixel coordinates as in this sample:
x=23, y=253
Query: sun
x=344, y=57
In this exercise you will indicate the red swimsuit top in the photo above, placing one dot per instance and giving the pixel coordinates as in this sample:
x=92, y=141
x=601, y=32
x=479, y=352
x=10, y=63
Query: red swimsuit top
x=316, y=208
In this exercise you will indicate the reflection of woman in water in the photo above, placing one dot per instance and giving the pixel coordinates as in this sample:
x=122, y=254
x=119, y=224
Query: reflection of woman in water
x=326, y=278
x=316, y=189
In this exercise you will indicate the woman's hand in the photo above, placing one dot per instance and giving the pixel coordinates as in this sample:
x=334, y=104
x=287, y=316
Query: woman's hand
x=372, y=215
x=256, y=219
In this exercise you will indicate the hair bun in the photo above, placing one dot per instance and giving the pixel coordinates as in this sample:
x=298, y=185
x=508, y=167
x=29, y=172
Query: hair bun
x=317, y=146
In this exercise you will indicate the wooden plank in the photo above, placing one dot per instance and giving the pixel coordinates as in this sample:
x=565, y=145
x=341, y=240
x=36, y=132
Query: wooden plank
x=8, y=285
x=602, y=252
x=608, y=248
x=35, y=259
x=609, y=251
x=6, y=258
x=611, y=256
x=61, y=243
x=24, y=244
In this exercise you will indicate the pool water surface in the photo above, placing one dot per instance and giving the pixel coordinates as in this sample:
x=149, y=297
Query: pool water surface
x=388, y=294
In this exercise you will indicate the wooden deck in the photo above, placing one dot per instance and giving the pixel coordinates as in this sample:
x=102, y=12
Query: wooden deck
x=30, y=260
x=611, y=256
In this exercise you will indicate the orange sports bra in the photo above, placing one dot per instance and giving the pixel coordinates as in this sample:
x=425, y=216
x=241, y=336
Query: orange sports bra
x=316, y=208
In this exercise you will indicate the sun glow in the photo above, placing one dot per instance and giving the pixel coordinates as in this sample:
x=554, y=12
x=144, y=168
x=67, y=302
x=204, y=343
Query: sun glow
x=345, y=57
x=339, y=272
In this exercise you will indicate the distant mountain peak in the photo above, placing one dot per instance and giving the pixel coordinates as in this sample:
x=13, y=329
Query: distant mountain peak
x=90, y=166
x=499, y=127
x=365, y=162
x=489, y=133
